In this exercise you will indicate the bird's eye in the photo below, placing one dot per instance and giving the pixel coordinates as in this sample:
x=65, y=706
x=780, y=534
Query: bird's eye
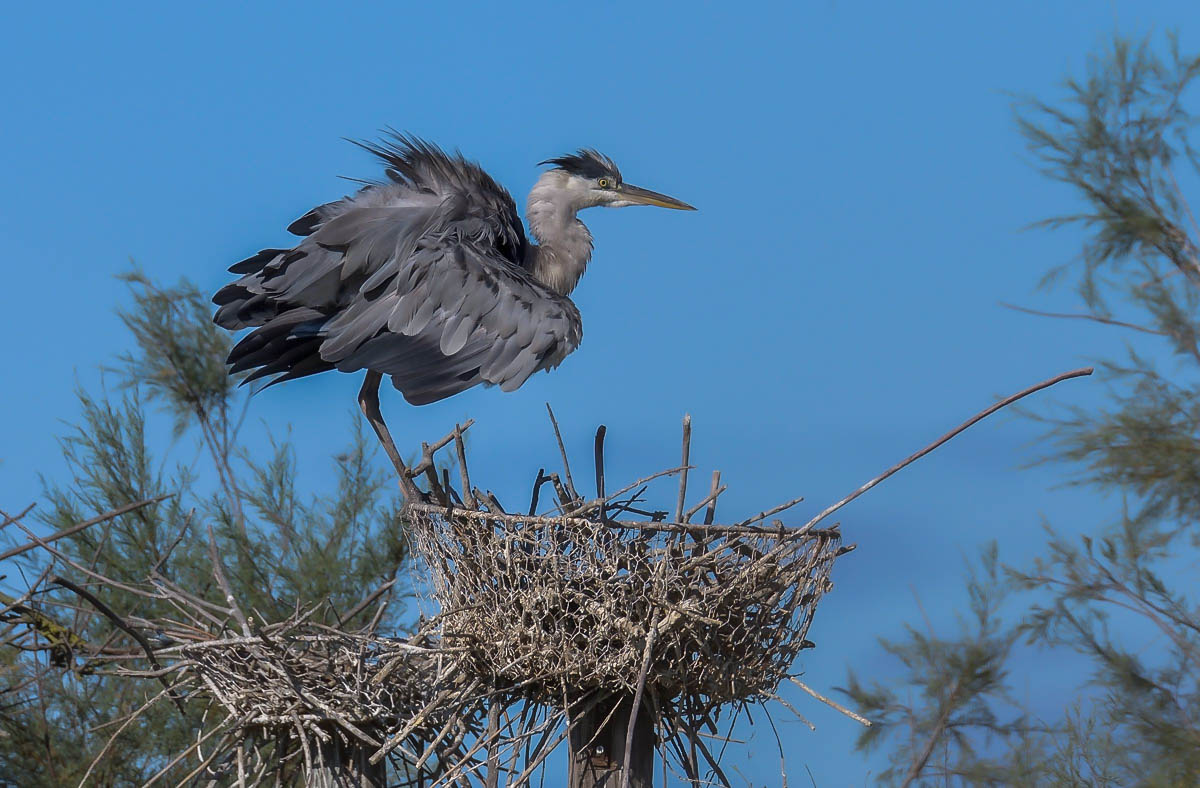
x=603, y=183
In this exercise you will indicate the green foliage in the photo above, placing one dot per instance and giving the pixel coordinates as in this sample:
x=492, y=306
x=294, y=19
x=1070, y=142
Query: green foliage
x=955, y=696
x=1117, y=140
x=1145, y=443
x=1115, y=596
x=281, y=546
x=1118, y=597
x=180, y=359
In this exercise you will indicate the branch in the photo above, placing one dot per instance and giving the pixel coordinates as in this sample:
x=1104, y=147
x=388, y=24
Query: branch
x=120, y=623
x=126, y=509
x=1045, y=384
x=1085, y=316
x=9, y=519
x=368, y=599
x=683, y=463
x=562, y=451
x=831, y=703
x=919, y=764
x=219, y=574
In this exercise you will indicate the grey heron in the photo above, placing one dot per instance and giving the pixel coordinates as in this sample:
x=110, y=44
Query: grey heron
x=427, y=277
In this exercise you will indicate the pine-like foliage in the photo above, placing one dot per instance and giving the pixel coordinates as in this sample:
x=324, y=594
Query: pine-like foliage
x=955, y=704
x=281, y=545
x=1124, y=597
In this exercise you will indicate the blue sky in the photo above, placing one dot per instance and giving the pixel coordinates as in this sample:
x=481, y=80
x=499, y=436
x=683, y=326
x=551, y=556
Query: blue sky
x=831, y=308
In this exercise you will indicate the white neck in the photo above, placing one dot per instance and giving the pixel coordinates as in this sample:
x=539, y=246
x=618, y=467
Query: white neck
x=564, y=243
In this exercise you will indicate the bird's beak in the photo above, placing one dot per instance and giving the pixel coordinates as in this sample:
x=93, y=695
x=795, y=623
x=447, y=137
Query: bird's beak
x=639, y=196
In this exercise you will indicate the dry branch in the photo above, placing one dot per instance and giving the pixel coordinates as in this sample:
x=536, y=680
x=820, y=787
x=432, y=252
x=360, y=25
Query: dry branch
x=74, y=529
x=978, y=417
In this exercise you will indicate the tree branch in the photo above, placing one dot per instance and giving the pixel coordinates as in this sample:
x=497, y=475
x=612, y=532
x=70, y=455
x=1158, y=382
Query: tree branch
x=954, y=432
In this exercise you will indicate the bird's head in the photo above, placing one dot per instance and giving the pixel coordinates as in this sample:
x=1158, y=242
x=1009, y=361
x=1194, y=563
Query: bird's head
x=588, y=178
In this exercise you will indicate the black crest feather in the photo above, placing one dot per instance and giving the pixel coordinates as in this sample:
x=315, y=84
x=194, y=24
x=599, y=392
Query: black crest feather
x=586, y=163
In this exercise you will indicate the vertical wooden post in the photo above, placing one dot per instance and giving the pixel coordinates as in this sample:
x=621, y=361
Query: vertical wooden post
x=342, y=766
x=597, y=756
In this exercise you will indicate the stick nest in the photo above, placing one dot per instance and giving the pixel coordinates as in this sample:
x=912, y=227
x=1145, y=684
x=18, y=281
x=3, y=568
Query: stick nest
x=558, y=609
x=302, y=692
x=312, y=677
x=562, y=606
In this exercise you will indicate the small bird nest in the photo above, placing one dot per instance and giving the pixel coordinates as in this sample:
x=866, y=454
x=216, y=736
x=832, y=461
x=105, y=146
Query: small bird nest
x=585, y=599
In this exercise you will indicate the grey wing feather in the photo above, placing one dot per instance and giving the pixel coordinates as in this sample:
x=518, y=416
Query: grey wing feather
x=420, y=279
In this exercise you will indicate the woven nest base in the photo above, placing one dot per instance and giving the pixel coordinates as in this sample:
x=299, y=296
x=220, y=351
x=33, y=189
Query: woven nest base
x=313, y=675
x=309, y=686
x=556, y=609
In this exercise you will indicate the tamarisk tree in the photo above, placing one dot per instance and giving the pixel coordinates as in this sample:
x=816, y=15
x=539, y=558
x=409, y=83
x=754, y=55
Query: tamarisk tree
x=282, y=548
x=1122, y=597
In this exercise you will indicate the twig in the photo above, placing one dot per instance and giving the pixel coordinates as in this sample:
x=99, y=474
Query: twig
x=565, y=498
x=464, y=474
x=709, y=500
x=12, y=518
x=584, y=506
x=768, y=512
x=779, y=744
x=223, y=582
x=428, y=450
x=600, y=464
x=541, y=479
x=74, y=529
x=19, y=603
x=120, y=623
x=831, y=703
x=683, y=463
x=641, y=683
x=1076, y=373
x=562, y=451
x=183, y=529
x=367, y=600
x=61, y=556
x=225, y=726
x=129, y=720
x=1084, y=316
x=397, y=738
x=919, y=762
x=637, y=525
x=791, y=708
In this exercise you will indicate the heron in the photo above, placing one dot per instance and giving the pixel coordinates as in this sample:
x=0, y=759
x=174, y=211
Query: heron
x=426, y=276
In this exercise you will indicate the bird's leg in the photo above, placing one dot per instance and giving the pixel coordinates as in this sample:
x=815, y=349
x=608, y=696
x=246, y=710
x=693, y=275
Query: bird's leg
x=368, y=400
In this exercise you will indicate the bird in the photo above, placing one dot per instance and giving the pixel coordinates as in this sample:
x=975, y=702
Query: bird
x=426, y=276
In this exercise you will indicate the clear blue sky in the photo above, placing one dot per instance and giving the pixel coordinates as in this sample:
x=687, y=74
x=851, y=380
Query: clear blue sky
x=831, y=308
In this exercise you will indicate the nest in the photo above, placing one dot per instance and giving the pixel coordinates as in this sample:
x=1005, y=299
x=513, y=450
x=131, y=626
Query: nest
x=297, y=697
x=544, y=618
x=307, y=676
x=308, y=687
x=557, y=607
